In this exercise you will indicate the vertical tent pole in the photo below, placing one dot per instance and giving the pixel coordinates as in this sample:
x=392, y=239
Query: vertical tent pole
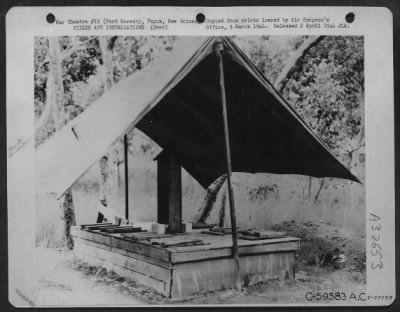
x=126, y=177
x=235, y=251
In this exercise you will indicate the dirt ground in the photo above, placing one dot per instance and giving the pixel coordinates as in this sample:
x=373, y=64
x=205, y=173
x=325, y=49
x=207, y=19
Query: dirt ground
x=61, y=284
x=329, y=261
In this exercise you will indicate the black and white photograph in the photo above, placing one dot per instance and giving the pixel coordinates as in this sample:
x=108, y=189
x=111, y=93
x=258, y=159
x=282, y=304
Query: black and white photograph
x=200, y=170
x=142, y=174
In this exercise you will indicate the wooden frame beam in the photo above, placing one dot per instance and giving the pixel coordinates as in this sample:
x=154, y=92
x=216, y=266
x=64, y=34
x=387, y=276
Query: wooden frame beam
x=169, y=189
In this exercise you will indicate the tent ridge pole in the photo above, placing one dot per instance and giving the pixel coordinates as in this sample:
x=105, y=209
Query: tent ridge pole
x=218, y=48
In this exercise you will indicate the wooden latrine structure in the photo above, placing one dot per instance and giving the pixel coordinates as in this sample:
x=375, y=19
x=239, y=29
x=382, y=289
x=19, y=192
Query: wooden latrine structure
x=213, y=112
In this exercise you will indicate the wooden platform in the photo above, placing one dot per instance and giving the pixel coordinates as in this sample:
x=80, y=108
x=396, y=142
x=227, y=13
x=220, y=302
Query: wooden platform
x=184, y=271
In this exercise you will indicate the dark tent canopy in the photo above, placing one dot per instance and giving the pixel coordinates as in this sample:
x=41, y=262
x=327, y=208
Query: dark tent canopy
x=183, y=114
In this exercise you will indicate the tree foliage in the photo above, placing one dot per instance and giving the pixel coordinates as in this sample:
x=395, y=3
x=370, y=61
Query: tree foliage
x=83, y=66
x=326, y=85
x=327, y=90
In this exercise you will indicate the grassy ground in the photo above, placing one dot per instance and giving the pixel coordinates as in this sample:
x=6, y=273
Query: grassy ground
x=324, y=245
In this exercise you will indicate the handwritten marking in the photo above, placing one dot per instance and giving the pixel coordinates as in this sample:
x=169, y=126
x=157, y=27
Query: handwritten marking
x=376, y=248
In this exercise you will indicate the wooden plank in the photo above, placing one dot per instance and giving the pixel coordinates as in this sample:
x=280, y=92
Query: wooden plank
x=143, y=267
x=221, y=241
x=91, y=235
x=93, y=224
x=209, y=232
x=202, y=225
x=219, y=246
x=144, y=236
x=144, y=249
x=193, y=277
x=92, y=257
x=248, y=237
x=268, y=248
x=218, y=242
x=100, y=226
x=220, y=231
x=180, y=256
x=126, y=253
x=227, y=230
x=259, y=268
x=262, y=234
x=177, y=242
x=123, y=229
x=198, y=255
x=271, y=241
x=95, y=228
x=119, y=242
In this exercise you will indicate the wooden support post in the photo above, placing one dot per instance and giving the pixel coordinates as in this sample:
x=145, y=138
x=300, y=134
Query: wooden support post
x=235, y=250
x=169, y=188
x=126, y=177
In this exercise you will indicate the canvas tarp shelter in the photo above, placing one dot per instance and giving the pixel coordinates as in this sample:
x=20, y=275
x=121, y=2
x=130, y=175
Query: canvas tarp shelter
x=176, y=101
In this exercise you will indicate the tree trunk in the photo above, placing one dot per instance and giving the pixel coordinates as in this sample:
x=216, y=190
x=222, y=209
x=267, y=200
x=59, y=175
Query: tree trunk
x=309, y=187
x=222, y=211
x=48, y=108
x=209, y=199
x=319, y=189
x=59, y=122
x=106, y=162
x=55, y=74
x=355, y=152
x=106, y=46
x=68, y=218
x=104, y=177
x=55, y=108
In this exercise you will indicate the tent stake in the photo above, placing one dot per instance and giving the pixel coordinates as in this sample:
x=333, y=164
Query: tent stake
x=126, y=177
x=235, y=251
